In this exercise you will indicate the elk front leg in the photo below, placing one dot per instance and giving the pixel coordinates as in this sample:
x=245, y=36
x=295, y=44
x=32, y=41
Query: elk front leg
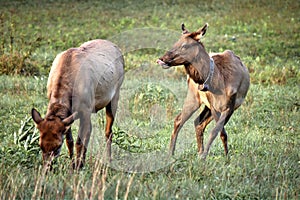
x=82, y=142
x=189, y=107
x=200, y=123
x=70, y=142
x=178, y=123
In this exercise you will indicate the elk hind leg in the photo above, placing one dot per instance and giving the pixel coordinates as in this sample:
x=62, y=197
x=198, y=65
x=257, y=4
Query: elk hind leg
x=108, y=129
x=223, y=133
x=221, y=119
x=201, y=122
x=223, y=136
x=111, y=110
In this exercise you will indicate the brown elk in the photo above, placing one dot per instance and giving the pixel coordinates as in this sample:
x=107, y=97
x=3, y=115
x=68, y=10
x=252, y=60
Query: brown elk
x=82, y=81
x=219, y=81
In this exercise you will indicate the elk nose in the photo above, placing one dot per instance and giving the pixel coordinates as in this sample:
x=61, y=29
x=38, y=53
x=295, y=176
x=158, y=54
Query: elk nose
x=160, y=62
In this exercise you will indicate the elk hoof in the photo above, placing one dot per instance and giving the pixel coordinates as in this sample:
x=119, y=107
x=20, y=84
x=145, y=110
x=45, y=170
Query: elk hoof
x=203, y=156
x=77, y=165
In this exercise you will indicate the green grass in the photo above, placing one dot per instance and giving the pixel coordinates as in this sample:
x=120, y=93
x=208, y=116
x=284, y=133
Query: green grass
x=264, y=139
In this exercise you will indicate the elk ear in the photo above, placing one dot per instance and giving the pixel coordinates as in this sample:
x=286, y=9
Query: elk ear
x=36, y=116
x=69, y=120
x=200, y=33
x=184, y=30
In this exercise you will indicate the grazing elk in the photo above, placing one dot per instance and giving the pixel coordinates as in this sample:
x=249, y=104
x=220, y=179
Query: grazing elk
x=82, y=81
x=220, y=82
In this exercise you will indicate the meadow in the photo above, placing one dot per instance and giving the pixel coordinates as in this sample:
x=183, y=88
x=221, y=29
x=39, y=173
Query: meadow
x=264, y=133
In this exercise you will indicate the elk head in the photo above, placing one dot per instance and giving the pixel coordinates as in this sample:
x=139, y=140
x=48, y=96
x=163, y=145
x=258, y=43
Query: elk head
x=185, y=50
x=52, y=130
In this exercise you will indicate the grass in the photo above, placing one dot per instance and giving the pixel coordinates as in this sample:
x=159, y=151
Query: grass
x=264, y=138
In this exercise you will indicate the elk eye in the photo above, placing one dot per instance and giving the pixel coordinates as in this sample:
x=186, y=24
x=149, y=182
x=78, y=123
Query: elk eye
x=183, y=47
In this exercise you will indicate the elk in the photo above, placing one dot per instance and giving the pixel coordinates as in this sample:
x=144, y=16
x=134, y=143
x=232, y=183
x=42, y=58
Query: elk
x=81, y=81
x=220, y=81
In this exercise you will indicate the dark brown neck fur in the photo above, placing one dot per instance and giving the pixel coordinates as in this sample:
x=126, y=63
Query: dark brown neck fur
x=193, y=73
x=58, y=110
x=199, y=68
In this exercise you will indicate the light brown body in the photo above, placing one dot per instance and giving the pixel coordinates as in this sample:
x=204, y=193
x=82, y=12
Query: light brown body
x=81, y=81
x=228, y=87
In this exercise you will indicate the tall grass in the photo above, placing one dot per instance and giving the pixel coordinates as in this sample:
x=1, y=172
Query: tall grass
x=263, y=161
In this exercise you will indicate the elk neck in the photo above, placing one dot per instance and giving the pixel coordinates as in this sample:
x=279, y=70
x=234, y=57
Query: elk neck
x=58, y=109
x=201, y=68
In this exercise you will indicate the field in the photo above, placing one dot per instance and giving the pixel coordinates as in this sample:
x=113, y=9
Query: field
x=264, y=134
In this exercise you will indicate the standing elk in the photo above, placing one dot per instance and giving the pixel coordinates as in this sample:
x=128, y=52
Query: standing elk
x=219, y=81
x=82, y=81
